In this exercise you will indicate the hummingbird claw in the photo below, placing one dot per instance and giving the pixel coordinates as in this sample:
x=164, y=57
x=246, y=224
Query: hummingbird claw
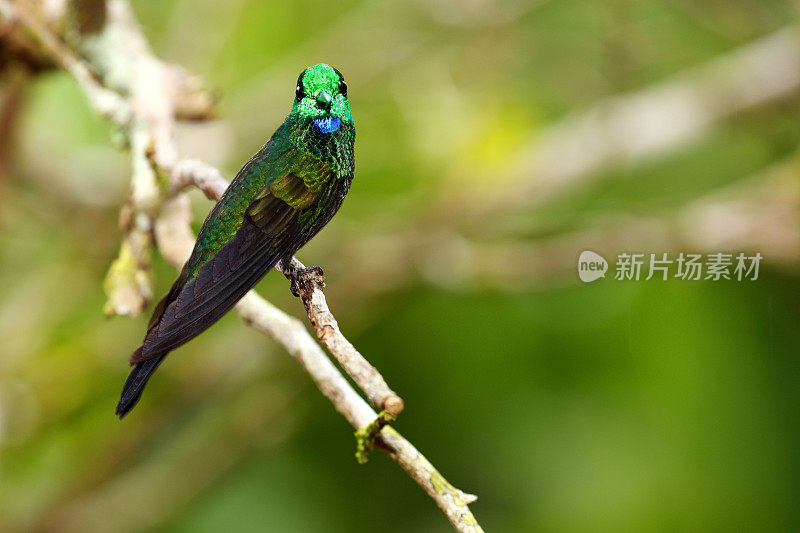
x=303, y=279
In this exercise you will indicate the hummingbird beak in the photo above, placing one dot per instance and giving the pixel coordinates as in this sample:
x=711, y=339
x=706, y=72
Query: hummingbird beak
x=324, y=100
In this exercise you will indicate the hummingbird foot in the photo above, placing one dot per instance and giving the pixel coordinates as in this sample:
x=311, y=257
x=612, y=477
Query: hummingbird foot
x=303, y=279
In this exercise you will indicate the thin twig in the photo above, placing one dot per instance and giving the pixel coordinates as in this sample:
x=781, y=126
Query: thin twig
x=308, y=284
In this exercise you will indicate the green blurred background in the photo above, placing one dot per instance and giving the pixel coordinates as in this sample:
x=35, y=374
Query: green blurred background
x=566, y=407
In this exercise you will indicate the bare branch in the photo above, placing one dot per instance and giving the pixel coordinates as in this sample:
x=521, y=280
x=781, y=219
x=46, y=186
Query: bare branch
x=449, y=499
x=307, y=283
x=193, y=172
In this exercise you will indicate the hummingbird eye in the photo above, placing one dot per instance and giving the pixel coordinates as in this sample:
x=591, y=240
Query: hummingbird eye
x=342, y=87
x=299, y=92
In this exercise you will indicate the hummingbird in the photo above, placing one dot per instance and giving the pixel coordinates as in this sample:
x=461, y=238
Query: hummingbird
x=281, y=198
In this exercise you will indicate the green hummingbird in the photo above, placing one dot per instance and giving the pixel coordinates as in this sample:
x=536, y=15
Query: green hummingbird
x=276, y=203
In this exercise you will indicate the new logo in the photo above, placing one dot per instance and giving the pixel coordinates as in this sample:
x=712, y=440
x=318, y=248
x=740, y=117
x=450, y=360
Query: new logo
x=591, y=266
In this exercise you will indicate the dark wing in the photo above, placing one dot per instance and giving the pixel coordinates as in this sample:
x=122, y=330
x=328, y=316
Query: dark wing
x=270, y=230
x=190, y=310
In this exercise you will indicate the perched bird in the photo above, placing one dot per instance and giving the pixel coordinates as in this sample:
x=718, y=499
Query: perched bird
x=276, y=203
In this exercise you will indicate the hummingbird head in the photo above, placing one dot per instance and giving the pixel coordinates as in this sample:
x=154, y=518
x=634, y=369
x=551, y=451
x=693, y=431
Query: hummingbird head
x=321, y=98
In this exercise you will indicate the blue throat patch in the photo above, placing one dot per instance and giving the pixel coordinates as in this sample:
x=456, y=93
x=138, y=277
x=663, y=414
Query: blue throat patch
x=328, y=125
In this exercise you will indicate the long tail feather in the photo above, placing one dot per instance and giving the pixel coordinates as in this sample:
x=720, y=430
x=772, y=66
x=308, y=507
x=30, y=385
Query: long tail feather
x=135, y=383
